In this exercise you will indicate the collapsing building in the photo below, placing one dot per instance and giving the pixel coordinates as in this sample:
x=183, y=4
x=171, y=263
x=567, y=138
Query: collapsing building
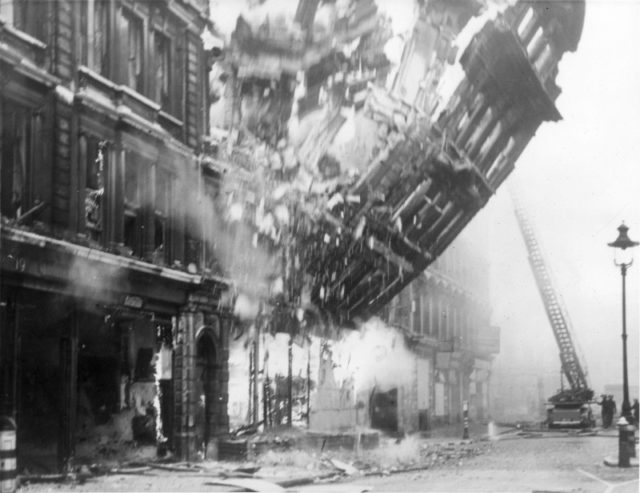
x=369, y=171
x=330, y=181
x=389, y=175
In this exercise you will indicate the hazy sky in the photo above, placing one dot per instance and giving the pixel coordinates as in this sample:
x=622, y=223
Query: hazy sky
x=581, y=178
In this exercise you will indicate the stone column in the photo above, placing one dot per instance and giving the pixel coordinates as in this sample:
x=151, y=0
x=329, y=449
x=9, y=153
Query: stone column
x=183, y=381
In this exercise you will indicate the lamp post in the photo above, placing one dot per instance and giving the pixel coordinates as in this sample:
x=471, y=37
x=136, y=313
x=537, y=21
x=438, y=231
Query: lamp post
x=624, y=260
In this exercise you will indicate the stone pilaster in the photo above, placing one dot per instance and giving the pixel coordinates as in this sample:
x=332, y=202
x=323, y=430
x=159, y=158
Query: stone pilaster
x=183, y=380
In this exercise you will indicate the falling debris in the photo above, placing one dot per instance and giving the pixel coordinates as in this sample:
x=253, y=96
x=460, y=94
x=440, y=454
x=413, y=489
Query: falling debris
x=193, y=222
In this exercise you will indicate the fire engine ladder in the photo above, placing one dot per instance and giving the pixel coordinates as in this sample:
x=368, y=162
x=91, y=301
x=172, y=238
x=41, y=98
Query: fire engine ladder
x=553, y=305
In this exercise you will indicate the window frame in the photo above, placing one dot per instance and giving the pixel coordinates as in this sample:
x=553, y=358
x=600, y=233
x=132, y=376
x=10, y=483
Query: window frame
x=162, y=212
x=95, y=24
x=91, y=143
x=24, y=118
x=165, y=99
x=132, y=208
x=131, y=18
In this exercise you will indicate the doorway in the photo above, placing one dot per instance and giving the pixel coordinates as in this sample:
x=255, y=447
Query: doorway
x=205, y=387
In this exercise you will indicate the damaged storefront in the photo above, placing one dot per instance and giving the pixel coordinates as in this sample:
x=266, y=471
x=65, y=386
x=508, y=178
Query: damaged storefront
x=101, y=361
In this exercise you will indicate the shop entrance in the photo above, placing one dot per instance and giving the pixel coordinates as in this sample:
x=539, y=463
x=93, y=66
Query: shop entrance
x=46, y=382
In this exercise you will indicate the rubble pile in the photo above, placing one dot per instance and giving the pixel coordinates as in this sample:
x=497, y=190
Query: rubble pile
x=390, y=458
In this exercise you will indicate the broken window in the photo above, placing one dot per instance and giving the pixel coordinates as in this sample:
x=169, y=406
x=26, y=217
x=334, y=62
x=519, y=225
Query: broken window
x=30, y=16
x=132, y=213
x=18, y=146
x=135, y=50
x=161, y=215
x=94, y=35
x=94, y=153
x=162, y=45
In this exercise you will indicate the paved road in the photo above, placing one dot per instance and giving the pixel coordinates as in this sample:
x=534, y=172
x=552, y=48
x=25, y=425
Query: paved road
x=550, y=464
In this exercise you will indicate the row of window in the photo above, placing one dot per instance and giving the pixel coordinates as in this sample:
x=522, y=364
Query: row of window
x=19, y=129
x=148, y=204
x=142, y=46
x=539, y=49
x=148, y=195
x=434, y=316
x=145, y=46
x=482, y=130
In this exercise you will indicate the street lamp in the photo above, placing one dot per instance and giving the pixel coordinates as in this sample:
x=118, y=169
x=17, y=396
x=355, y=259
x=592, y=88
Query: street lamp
x=624, y=260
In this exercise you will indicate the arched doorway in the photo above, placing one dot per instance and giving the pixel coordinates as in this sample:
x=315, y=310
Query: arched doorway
x=205, y=387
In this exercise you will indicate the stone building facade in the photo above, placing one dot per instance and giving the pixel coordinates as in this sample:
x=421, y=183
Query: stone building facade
x=446, y=316
x=111, y=312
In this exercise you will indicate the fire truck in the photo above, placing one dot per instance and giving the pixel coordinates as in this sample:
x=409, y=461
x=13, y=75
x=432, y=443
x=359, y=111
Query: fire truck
x=570, y=407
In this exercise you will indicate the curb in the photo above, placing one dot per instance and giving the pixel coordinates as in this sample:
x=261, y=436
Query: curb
x=612, y=461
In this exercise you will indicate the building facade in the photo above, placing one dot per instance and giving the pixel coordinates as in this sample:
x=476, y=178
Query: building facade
x=112, y=254
x=446, y=315
x=111, y=313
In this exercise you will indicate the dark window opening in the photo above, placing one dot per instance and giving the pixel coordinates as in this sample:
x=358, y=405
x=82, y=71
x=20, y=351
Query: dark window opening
x=144, y=370
x=161, y=213
x=31, y=16
x=131, y=191
x=160, y=236
x=132, y=232
x=96, y=158
x=162, y=45
x=16, y=163
x=135, y=51
x=95, y=35
x=132, y=216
